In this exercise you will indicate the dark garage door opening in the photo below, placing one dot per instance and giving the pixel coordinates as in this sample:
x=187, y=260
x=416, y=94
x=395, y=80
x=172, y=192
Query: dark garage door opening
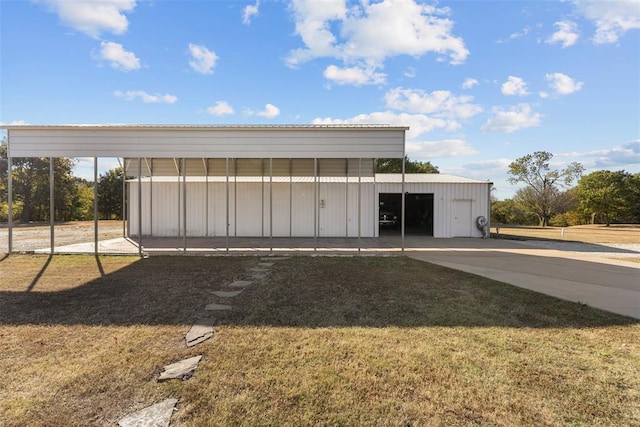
x=418, y=218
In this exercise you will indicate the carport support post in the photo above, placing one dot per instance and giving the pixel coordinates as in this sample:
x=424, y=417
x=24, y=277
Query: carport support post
x=402, y=210
x=51, y=204
x=140, y=206
x=315, y=204
x=270, y=205
x=184, y=202
x=124, y=198
x=359, y=203
x=95, y=206
x=10, y=202
x=227, y=206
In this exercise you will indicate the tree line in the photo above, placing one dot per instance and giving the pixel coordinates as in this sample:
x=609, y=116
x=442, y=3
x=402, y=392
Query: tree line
x=73, y=196
x=548, y=197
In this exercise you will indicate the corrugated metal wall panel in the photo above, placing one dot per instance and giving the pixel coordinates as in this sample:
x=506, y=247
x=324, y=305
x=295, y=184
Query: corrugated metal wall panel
x=332, y=167
x=302, y=219
x=249, y=212
x=333, y=218
x=281, y=210
x=221, y=143
x=196, y=209
x=332, y=210
x=367, y=167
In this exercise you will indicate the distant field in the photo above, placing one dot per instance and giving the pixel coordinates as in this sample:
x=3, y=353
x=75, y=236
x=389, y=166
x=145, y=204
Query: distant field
x=626, y=233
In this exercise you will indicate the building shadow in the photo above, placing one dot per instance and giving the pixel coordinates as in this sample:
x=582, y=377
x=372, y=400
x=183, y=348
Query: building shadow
x=309, y=292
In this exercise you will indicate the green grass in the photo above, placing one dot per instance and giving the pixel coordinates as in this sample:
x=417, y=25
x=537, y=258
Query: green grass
x=323, y=341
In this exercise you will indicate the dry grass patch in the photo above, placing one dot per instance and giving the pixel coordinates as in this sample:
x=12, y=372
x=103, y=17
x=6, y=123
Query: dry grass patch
x=327, y=341
x=629, y=233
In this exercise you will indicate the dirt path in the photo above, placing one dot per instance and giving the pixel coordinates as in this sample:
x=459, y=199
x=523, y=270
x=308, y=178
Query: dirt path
x=31, y=237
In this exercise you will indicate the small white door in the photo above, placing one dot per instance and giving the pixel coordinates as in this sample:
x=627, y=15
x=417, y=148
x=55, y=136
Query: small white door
x=461, y=222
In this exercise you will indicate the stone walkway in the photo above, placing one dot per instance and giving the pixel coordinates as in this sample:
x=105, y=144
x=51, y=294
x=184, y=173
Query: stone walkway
x=159, y=414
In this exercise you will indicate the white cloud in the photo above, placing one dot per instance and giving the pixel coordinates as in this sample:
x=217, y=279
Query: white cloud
x=567, y=34
x=353, y=75
x=117, y=57
x=148, y=98
x=249, y=12
x=410, y=72
x=469, y=83
x=514, y=86
x=543, y=94
x=563, y=84
x=437, y=149
x=93, y=17
x=518, y=117
x=202, y=59
x=439, y=103
x=612, y=18
x=270, y=111
x=369, y=33
x=620, y=155
x=418, y=123
x=14, y=122
x=526, y=30
x=220, y=109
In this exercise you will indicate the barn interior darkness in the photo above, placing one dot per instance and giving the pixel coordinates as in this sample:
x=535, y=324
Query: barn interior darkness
x=418, y=213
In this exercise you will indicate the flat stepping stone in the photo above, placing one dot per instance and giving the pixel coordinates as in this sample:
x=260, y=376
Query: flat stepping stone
x=226, y=294
x=158, y=415
x=182, y=369
x=201, y=331
x=265, y=264
x=259, y=270
x=240, y=284
x=217, y=307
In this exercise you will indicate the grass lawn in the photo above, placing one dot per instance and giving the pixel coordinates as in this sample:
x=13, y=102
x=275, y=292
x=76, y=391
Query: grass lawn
x=322, y=341
x=616, y=233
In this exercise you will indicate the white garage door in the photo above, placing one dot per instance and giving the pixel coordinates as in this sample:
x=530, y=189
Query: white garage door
x=461, y=223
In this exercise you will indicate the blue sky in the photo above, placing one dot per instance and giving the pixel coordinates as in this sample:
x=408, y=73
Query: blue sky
x=480, y=83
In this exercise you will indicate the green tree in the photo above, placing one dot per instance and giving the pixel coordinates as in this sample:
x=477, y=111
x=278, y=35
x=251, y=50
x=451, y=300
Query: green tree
x=509, y=212
x=542, y=193
x=31, y=186
x=411, y=166
x=610, y=195
x=110, y=194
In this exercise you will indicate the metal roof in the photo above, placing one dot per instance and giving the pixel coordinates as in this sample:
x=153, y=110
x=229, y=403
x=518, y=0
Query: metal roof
x=133, y=126
x=383, y=178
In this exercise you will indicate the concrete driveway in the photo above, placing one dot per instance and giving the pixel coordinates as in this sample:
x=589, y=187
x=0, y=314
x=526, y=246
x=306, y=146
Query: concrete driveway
x=576, y=272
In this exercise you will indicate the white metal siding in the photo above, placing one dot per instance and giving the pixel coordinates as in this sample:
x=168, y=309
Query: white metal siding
x=293, y=216
x=444, y=195
x=207, y=142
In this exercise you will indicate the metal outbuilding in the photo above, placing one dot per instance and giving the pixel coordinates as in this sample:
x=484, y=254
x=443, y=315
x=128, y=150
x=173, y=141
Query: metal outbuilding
x=260, y=181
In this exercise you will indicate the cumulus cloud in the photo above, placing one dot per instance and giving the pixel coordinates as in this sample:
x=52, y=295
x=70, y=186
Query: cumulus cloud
x=517, y=117
x=439, y=103
x=353, y=75
x=145, y=97
x=469, y=83
x=270, y=111
x=117, y=57
x=563, y=84
x=418, y=123
x=514, y=86
x=202, y=59
x=93, y=17
x=612, y=18
x=14, y=122
x=567, y=34
x=249, y=12
x=369, y=33
x=220, y=108
x=620, y=155
x=437, y=149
